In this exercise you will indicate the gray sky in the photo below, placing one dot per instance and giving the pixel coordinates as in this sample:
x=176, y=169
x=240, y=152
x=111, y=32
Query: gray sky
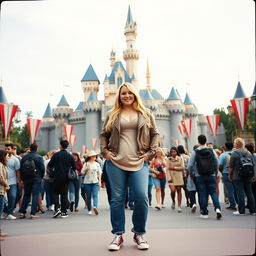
x=199, y=46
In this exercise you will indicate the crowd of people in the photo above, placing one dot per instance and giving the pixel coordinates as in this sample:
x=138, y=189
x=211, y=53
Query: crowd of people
x=130, y=164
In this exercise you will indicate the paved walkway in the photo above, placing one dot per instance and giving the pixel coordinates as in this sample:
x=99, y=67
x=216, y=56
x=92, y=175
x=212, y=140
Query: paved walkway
x=168, y=232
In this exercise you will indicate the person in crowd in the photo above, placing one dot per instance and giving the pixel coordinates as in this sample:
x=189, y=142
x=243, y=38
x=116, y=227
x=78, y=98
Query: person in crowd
x=74, y=185
x=4, y=187
x=150, y=186
x=158, y=169
x=207, y=167
x=48, y=187
x=14, y=180
x=250, y=148
x=224, y=161
x=105, y=182
x=175, y=176
x=32, y=182
x=59, y=166
x=243, y=184
x=185, y=158
x=92, y=181
x=128, y=141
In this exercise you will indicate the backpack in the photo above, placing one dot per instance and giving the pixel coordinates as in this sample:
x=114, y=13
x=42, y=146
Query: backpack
x=28, y=168
x=205, y=161
x=246, y=168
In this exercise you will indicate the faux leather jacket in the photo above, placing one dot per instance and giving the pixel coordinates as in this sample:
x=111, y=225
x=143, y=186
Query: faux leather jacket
x=147, y=138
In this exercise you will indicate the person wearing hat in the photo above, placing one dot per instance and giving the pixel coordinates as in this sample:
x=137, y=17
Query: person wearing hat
x=92, y=181
x=128, y=141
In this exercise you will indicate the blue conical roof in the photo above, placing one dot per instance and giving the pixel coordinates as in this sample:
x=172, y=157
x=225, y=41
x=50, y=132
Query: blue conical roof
x=129, y=16
x=3, y=98
x=156, y=95
x=92, y=97
x=178, y=94
x=145, y=94
x=239, y=91
x=187, y=100
x=106, y=78
x=63, y=101
x=90, y=75
x=117, y=65
x=80, y=106
x=48, y=111
x=254, y=90
x=173, y=95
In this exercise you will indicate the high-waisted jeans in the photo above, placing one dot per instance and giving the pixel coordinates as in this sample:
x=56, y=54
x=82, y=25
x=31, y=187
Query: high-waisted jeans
x=138, y=182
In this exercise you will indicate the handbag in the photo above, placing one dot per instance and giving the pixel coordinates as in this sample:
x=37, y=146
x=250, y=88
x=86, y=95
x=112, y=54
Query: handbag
x=72, y=176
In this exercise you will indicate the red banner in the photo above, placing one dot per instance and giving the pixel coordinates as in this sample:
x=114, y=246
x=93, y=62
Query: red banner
x=94, y=142
x=213, y=123
x=68, y=130
x=7, y=113
x=73, y=140
x=187, y=126
x=33, y=127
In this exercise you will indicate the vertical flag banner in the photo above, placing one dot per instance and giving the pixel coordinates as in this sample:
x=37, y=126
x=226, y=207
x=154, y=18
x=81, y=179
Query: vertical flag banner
x=72, y=140
x=94, y=142
x=187, y=126
x=240, y=106
x=7, y=113
x=33, y=127
x=68, y=130
x=213, y=123
x=83, y=149
x=181, y=130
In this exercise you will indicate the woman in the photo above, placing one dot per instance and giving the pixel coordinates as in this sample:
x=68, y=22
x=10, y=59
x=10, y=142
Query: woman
x=92, y=181
x=158, y=168
x=74, y=186
x=3, y=184
x=176, y=166
x=128, y=140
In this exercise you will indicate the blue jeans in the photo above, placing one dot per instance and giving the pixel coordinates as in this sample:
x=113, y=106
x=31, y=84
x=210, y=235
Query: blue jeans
x=2, y=200
x=244, y=186
x=48, y=193
x=138, y=183
x=91, y=191
x=11, y=197
x=30, y=187
x=230, y=188
x=207, y=186
x=73, y=188
x=150, y=194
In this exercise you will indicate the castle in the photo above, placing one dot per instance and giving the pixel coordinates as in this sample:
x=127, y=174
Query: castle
x=90, y=114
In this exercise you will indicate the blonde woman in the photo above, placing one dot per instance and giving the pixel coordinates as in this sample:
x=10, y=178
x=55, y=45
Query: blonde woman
x=175, y=176
x=158, y=169
x=128, y=140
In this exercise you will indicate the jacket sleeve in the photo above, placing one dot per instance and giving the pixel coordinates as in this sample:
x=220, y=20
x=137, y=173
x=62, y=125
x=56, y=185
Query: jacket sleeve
x=154, y=136
x=104, y=139
x=41, y=166
x=73, y=163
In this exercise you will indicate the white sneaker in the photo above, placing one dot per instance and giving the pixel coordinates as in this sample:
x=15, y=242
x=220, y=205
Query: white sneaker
x=179, y=210
x=173, y=205
x=3, y=216
x=89, y=213
x=142, y=244
x=218, y=214
x=52, y=207
x=204, y=216
x=158, y=207
x=162, y=206
x=193, y=210
x=116, y=243
x=11, y=217
x=238, y=213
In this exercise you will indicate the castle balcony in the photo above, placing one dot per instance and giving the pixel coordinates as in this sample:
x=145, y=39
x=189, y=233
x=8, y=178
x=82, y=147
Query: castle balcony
x=176, y=108
x=61, y=112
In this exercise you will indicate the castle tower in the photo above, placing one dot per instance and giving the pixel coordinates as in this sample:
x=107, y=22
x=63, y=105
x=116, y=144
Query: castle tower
x=90, y=82
x=112, y=58
x=191, y=112
x=61, y=115
x=131, y=55
x=92, y=107
x=176, y=110
x=3, y=98
x=148, y=76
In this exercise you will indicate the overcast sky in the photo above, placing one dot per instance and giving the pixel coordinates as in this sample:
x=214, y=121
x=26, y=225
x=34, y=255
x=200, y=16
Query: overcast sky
x=199, y=46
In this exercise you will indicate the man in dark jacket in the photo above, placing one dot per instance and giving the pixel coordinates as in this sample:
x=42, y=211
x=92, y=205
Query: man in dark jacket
x=32, y=183
x=59, y=166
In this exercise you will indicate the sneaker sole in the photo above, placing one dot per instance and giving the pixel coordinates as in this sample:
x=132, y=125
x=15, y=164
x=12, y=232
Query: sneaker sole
x=115, y=249
x=56, y=215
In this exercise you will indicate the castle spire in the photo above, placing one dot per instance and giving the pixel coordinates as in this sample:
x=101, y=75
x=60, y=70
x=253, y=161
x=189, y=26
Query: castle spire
x=148, y=76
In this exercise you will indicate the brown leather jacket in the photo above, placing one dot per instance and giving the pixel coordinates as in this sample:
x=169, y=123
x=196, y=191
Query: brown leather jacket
x=147, y=138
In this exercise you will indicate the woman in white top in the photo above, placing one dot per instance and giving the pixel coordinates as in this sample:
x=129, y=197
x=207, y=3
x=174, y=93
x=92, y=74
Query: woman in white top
x=92, y=181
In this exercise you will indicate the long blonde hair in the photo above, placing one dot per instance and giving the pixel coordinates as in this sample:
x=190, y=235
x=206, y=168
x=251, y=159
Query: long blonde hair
x=137, y=105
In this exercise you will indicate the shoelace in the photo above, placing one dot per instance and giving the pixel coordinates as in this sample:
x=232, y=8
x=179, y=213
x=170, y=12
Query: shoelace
x=140, y=239
x=116, y=240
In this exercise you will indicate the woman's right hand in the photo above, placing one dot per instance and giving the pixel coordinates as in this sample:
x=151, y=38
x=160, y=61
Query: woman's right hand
x=110, y=155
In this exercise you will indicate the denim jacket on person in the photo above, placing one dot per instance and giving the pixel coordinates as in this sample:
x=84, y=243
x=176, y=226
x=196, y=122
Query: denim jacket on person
x=147, y=138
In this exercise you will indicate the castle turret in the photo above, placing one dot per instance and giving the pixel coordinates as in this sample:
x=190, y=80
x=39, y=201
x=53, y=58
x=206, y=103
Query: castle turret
x=239, y=91
x=148, y=76
x=3, y=98
x=112, y=58
x=90, y=82
x=131, y=54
